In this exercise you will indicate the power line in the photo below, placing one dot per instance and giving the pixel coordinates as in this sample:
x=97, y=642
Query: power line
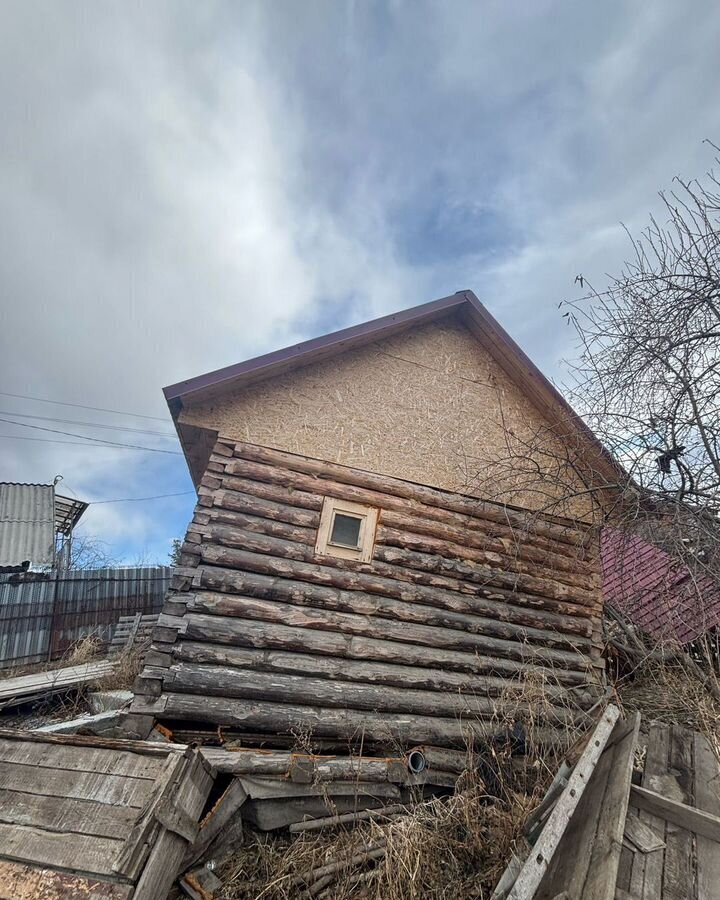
x=86, y=437
x=24, y=437
x=9, y=412
x=116, y=412
x=140, y=499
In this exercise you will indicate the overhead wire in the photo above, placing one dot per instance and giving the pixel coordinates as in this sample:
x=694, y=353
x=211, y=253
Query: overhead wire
x=140, y=499
x=116, y=412
x=86, y=437
x=9, y=412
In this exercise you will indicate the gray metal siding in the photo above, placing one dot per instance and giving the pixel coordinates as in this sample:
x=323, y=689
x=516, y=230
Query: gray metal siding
x=40, y=619
x=27, y=524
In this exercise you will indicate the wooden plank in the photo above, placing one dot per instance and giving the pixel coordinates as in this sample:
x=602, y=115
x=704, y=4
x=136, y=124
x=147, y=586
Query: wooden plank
x=571, y=866
x=624, y=873
x=605, y=856
x=15, y=690
x=80, y=759
x=76, y=852
x=680, y=814
x=547, y=844
x=647, y=873
x=113, y=789
x=143, y=748
x=216, y=820
x=679, y=874
x=64, y=815
x=707, y=798
x=139, y=843
x=169, y=850
x=19, y=881
x=640, y=835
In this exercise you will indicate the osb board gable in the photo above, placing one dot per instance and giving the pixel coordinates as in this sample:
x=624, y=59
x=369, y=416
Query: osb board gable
x=429, y=405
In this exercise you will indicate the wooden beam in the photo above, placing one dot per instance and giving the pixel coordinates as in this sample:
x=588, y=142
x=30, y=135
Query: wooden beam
x=680, y=814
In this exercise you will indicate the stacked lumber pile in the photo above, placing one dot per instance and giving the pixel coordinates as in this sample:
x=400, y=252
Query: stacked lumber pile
x=461, y=599
x=39, y=685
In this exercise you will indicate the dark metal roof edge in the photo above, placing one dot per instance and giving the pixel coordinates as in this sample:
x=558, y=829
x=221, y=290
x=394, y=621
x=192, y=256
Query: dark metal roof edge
x=354, y=333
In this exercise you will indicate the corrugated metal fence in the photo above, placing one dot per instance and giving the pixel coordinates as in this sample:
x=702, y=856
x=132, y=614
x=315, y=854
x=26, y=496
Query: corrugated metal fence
x=41, y=616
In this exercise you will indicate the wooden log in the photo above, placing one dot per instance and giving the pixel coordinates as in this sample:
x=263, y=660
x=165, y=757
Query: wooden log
x=246, y=761
x=486, y=575
x=445, y=760
x=328, y=475
x=419, y=569
x=368, y=626
x=235, y=489
x=422, y=589
x=526, y=547
x=242, y=632
x=396, y=729
x=344, y=669
x=219, y=681
x=294, y=542
x=301, y=508
x=268, y=585
x=406, y=540
x=448, y=611
x=245, y=502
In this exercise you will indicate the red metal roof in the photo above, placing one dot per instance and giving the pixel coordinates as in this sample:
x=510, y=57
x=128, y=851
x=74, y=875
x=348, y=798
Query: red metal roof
x=657, y=593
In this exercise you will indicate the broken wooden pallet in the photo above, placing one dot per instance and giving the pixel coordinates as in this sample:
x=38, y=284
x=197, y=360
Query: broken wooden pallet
x=24, y=688
x=97, y=818
x=132, y=630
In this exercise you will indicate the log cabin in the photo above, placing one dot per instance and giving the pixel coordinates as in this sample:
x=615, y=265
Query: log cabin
x=359, y=566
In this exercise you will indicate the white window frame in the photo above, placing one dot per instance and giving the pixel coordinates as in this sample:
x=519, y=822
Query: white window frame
x=368, y=525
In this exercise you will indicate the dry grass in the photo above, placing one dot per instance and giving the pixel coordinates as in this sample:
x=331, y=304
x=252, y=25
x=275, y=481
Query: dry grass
x=665, y=692
x=128, y=665
x=446, y=848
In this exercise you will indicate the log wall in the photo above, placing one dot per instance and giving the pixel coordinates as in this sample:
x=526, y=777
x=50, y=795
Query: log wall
x=463, y=604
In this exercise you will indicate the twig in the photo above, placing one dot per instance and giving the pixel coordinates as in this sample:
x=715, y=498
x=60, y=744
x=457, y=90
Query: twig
x=331, y=871
x=364, y=815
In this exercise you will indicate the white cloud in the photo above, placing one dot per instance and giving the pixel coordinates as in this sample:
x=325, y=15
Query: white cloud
x=185, y=185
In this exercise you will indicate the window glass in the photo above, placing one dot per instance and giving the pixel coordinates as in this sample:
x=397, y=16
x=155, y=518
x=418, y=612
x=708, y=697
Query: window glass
x=346, y=530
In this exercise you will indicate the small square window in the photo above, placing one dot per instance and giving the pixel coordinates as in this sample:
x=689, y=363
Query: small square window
x=347, y=530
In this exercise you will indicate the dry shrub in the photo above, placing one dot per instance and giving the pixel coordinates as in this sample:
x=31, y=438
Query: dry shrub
x=84, y=650
x=446, y=848
x=664, y=691
x=128, y=665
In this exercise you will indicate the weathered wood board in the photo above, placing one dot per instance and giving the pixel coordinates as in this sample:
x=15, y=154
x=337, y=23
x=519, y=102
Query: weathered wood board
x=24, y=688
x=95, y=818
x=679, y=801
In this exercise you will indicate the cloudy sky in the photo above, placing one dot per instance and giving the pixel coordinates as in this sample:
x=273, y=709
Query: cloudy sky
x=184, y=185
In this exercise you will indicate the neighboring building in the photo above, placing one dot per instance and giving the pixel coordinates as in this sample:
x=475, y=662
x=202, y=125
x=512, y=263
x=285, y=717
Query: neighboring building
x=659, y=593
x=370, y=557
x=36, y=527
